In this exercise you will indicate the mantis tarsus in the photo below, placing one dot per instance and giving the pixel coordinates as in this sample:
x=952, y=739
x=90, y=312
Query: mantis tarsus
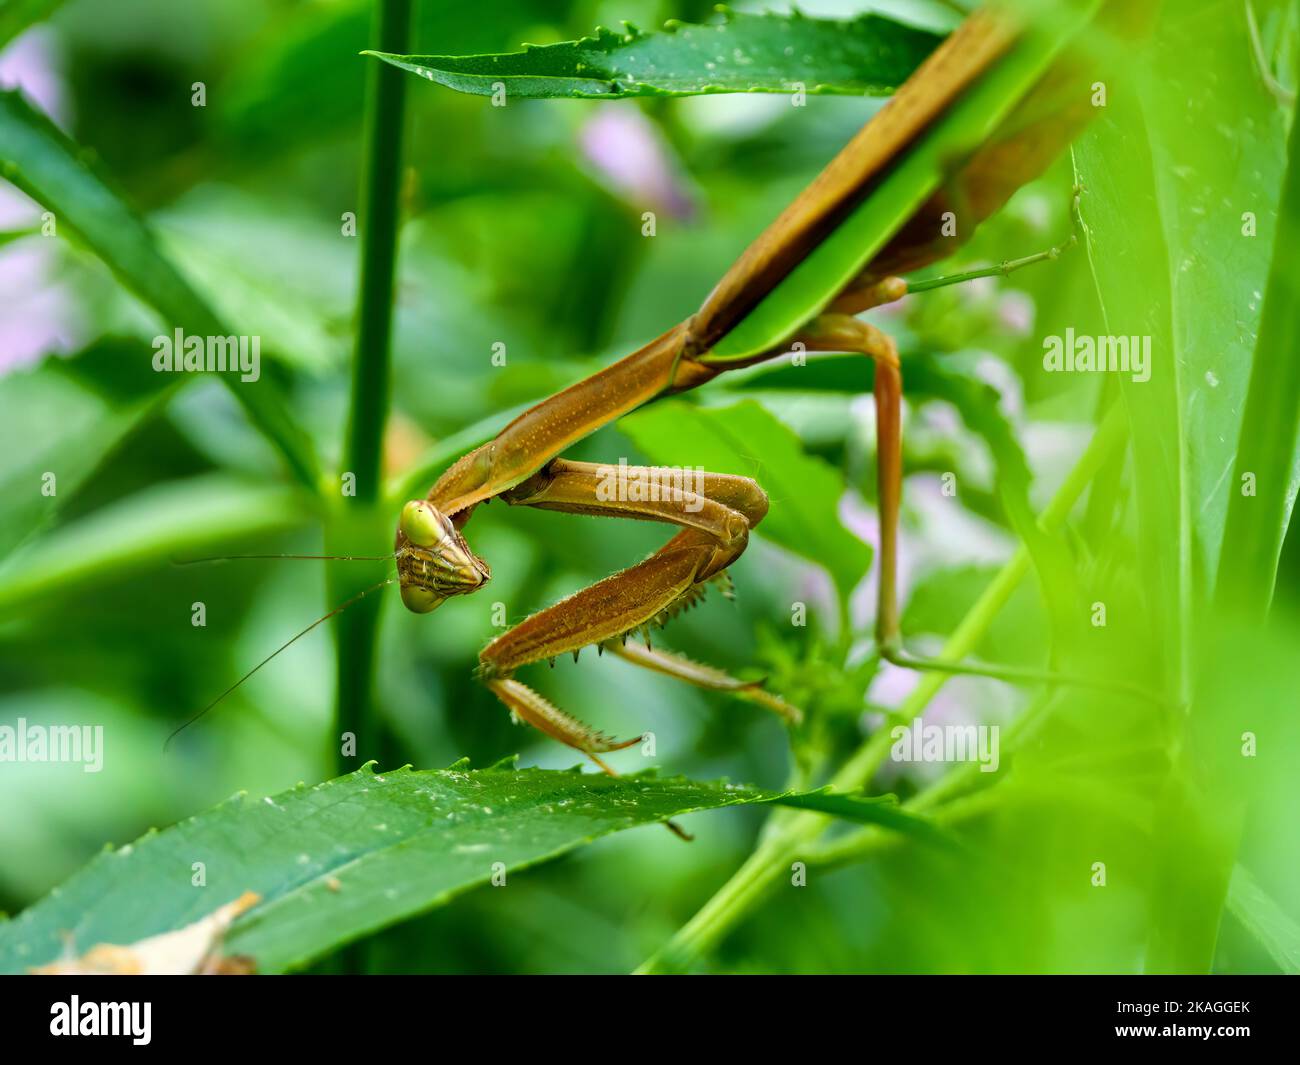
x=790, y=287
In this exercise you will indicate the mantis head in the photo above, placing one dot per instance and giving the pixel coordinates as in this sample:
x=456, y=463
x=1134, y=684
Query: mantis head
x=433, y=560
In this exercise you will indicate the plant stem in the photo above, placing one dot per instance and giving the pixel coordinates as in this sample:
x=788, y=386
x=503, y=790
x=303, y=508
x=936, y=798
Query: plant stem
x=944, y=797
x=385, y=111
x=358, y=523
x=794, y=839
x=869, y=841
x=356, y=526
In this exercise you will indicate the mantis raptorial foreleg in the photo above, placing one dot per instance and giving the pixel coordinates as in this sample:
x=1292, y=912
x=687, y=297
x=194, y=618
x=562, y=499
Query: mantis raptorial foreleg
x=609, y=609
x=724, y=505
x=716, y=512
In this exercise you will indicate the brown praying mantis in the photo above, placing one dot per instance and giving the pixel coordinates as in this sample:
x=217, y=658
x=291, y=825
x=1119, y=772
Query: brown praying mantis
x=523, y=464
x=984, y=114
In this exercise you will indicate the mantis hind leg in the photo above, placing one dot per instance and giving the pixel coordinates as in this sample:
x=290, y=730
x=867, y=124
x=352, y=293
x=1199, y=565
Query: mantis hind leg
x=838, y=332
x=842, y=332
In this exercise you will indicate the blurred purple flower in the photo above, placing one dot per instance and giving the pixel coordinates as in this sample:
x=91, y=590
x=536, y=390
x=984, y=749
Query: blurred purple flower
x=38, y=315
x=1016, y=311
x=1008, y=384
x=30, y=63
x=632, y=159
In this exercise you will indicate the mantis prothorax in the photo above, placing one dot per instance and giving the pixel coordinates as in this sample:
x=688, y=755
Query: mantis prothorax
x=796, y=284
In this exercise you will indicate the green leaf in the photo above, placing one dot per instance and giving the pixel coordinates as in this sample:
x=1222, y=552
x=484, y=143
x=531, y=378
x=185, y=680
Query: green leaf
x=1268, y=922
x=870, y=55
x=1267, y=453
x=41, y=161
x=60, y=420
x=980, y=407
x=352, y=855
x=882, y=810
x=746, y=439
x=1195, y=282
x=175, y=520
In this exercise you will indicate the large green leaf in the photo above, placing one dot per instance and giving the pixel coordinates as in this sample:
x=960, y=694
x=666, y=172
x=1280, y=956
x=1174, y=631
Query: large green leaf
x=1195, y=282
x=746, y=439
x=869, y=55
x=1176, y=259
x=352, y=855
x=1267, y=452
x=1268, y=922
x=41, y=161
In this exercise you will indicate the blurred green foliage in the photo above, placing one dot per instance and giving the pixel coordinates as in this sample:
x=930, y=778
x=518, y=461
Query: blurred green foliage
x=518, y=230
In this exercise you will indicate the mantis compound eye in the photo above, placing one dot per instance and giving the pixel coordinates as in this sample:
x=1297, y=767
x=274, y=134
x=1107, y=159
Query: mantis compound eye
x=423, y=525
x=420, y=600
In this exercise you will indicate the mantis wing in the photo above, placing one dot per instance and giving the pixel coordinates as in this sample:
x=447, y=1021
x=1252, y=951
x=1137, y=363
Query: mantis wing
x=815, y=212
x=985, y=113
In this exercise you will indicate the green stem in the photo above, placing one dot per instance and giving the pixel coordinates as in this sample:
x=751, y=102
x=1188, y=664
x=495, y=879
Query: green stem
x=358, y=527
x=358, y=524
x=385, y=111
x=945, y=798
x=796, y=838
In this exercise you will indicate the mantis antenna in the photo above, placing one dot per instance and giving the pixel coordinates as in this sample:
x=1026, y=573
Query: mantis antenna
x=315, y=558
x=323, y=618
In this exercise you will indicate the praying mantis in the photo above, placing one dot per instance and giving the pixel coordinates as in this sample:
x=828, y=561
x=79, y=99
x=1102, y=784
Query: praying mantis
x=989, y=109
x=800, y=284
